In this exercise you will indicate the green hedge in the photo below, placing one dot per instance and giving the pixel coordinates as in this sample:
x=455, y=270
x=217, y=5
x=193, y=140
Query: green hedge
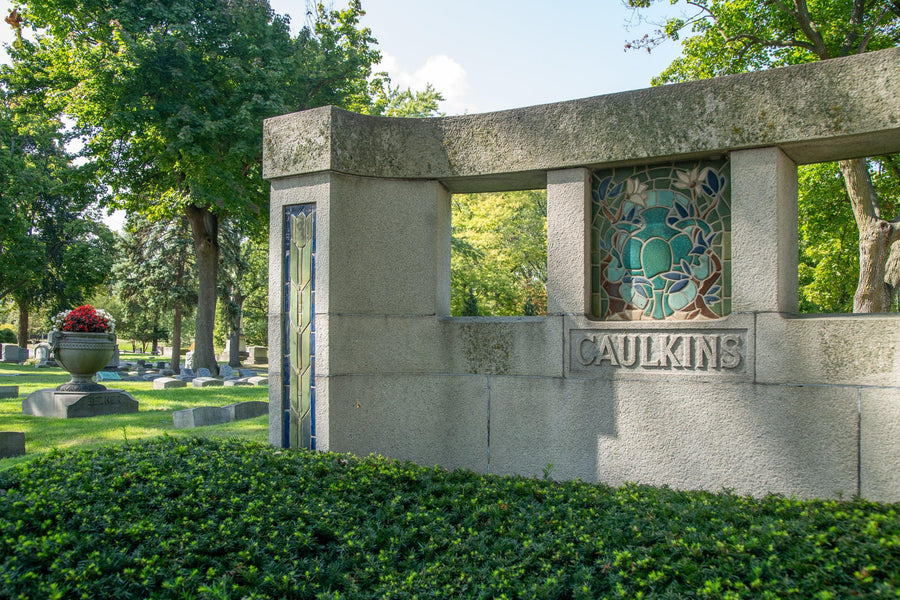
x=191, y=518
x=8, y=334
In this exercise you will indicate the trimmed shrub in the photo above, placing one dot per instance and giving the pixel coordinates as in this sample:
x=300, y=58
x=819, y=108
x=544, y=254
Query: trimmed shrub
x=192, y=518
x=8, y=334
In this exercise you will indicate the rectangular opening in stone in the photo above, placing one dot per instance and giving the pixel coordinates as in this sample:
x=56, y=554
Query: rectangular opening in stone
x=829, y=234
x=661, y=241
x=498, y=254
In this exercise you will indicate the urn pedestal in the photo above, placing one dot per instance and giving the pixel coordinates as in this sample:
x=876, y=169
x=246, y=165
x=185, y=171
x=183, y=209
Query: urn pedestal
x=82, y=355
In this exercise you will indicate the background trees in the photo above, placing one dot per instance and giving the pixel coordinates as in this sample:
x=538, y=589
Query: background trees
x=499, y=254
x=170, y=97
x=53, y=247
x=743, y=35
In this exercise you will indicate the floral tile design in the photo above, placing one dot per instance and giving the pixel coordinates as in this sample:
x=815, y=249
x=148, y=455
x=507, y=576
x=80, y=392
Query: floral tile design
x=661, y=242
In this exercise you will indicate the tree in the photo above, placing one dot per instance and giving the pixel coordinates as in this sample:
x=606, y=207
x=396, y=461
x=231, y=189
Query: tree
x=737, y=36
x=171, y=96
x=156, y=274
x=53, y=247
x=244, y=273
x=499, y=253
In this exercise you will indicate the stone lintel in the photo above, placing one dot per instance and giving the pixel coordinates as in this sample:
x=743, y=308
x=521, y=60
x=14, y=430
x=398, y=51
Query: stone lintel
x=816, y=112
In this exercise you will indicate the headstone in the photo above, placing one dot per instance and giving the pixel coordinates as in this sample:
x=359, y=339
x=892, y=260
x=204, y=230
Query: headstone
x=12, y=443
x=164, y=383
x=113, y=361
x=166, y=372
x=215, y=415
x=226, y=354
x=226, y=371
x=141, y=362
x=259, y=355
x=248, y=373
x=9, y=391
x=108, y=376
x=236, y=382
x=71, y=405
x=258, y=380
x=14, y=354
x=206, y=382
x=199, y=417
x=203, y=372
x=189, y=359
x=42, y=355
x=186, y=374
x=161, y=364
x=152, y=376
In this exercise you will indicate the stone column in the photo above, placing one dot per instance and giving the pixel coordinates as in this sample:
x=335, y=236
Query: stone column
x=568, y=241
x=764, y=231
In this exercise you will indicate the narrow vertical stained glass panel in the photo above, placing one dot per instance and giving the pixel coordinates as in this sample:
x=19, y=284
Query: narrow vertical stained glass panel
x=661, y=242
x=299, y=388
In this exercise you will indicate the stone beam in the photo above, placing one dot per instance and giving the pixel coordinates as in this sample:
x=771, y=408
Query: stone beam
x=816, y=112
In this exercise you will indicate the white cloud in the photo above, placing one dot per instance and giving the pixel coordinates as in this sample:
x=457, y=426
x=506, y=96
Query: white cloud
x=445, y=74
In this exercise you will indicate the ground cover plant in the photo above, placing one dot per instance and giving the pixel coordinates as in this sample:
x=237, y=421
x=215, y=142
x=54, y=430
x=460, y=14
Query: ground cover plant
x=213, y=518
x=154, y=418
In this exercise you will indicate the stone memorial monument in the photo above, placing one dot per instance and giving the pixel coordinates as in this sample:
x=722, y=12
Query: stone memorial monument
x=671, y=352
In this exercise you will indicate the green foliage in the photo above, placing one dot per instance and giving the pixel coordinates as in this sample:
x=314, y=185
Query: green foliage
x=390, y=101
x=8, y=334
x=499, y=253
x=188, y=518
x=735, y=36
x=155, y=273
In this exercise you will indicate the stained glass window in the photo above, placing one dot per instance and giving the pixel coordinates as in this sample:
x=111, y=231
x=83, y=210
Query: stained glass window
x=661, y=242
x=299, y=332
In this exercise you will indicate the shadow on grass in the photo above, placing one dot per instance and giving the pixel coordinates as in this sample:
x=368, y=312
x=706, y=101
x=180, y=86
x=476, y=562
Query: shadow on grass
x=154, y=418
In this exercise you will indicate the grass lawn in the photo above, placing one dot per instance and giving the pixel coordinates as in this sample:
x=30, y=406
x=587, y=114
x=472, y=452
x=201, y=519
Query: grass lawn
x=153, y=419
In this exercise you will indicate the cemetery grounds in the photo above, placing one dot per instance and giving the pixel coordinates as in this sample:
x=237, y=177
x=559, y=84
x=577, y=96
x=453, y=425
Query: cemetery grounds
x=153, y=419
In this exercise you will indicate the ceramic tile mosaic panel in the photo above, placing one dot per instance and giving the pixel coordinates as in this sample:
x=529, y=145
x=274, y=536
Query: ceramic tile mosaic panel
x=661, y=242
x=299, y=334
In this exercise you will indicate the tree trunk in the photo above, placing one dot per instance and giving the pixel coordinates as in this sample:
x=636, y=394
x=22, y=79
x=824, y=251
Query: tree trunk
x=892, y=274
x=876, y=235
x=234, y=359
x=22, y=337
x=175, y=363
x=205, y=232
x=154, y=348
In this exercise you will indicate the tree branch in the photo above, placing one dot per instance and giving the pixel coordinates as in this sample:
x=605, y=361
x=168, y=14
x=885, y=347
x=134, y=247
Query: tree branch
x=810, y=30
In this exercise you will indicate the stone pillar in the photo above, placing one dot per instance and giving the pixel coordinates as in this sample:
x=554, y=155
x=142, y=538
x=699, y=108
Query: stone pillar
x=764, y=231
x=568, y=241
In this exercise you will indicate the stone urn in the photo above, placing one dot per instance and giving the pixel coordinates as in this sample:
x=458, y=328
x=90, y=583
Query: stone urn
x=82, y=355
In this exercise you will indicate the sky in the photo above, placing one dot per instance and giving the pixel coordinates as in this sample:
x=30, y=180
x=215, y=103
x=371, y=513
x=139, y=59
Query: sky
x=489, y=55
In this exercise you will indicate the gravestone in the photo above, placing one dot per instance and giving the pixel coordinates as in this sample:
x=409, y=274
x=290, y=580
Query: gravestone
x=214, y=415
x=201, y=382
x=141, y=363
x=14, y=354
x=226, y=372
x=247, y=373
x=72, y=405
x=42, y=355
x=186, y=374
x=161, y=364
x=203, y=372
x=236, y=382
x=108, y=376
x=9, y=391
x=113, y=361
x=165, y=383
x=259, y=355
x=258, y=380
x=12, y=443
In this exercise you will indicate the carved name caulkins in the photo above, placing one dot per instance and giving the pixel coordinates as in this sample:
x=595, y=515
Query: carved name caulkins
x=695, y=350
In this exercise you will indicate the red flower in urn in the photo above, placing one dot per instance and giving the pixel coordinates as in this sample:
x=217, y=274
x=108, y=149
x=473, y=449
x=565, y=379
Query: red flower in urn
x=84, y=319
